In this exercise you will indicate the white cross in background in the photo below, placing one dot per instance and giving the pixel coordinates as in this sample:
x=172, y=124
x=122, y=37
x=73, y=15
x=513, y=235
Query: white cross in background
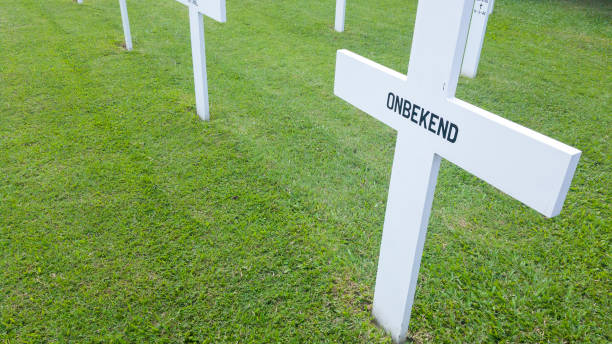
x=214, y=9
x=478, y=28
x=433, y=124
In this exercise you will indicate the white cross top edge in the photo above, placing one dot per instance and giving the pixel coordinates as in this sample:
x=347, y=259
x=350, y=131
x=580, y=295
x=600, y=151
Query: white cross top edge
x=214, y=9
x=432, y=124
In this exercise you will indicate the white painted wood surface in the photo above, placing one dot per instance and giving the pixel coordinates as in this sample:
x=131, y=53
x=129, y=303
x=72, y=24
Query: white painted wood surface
x=126, y=24
x=340, y=14
x=214, y=9
x=478, y=28
x=198, y=53
x=524, y=164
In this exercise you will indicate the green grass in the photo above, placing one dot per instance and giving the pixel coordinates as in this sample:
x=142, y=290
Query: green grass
x=124, y=218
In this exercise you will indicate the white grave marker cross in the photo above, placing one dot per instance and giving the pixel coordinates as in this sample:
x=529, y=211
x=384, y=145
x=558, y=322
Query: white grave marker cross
x=214, y=9
x=433, y=124
x=478, y=28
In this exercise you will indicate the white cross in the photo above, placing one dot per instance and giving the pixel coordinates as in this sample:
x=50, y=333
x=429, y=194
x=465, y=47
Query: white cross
x=214, y=9
x=433, y=124
x=126, y=24
x=478, y=28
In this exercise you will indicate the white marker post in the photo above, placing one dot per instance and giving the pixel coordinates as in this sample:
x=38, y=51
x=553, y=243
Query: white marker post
x=214, y=9
x=433, y=124
x=126, y=25
x=478, y=28
x=79, y=1
x=340, y=14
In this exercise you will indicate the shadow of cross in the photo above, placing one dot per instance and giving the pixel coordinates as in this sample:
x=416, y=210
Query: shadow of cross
x=433, y=124
x=214, y=9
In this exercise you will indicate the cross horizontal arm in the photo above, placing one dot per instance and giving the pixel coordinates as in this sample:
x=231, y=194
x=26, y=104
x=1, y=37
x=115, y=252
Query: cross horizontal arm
x=528, y=166
x=361, y=82
x=214, y=9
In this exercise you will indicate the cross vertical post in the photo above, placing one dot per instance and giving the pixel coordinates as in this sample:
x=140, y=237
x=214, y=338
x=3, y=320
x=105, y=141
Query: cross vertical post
x=432, y=124
x=198, y=52
x=478, y=28
x=340, y=14
x=126, y=24
x=214, y=9
x=407, y=215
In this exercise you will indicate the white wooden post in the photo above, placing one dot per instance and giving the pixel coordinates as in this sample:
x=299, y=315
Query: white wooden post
x=214, y=9
x=198, y=53
x=433, y=124
x=478, y=28
x=340, y=14
x=126, y=25
x=79, y=1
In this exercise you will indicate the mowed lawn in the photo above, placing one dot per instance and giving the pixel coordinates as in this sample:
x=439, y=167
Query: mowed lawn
x=126, y=219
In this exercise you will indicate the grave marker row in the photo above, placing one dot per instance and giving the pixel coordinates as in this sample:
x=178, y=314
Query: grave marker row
x=432, y=124
x=215, y=9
